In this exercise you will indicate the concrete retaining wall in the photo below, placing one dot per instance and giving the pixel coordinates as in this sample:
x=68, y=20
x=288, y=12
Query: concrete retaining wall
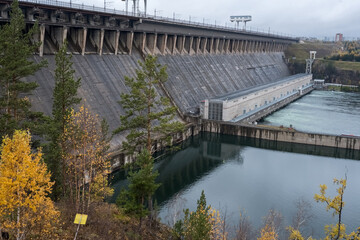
x=346, y=142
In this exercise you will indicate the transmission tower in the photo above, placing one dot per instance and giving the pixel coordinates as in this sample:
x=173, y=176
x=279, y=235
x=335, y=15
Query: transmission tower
x=310, y=61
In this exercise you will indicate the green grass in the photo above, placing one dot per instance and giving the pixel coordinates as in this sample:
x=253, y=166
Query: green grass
x=301, y=50
x=343, y=65
x=342, y=89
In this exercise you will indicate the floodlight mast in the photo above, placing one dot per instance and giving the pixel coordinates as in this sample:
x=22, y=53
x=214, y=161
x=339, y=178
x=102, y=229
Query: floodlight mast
x=239, y=19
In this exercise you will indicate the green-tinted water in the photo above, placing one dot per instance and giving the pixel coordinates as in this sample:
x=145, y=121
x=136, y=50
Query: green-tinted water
x=322, y=112
x=237, y=174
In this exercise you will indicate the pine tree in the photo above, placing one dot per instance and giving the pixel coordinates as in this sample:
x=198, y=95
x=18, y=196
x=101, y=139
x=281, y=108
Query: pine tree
x=141, y=185
x=64, y=93
x=26, y=211
x=66, y=87
x=147, y=116
x=197, y=225
x=16, y=51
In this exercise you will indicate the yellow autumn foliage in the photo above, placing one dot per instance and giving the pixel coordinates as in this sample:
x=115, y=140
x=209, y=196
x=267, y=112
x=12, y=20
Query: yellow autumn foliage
x=268, y=233
x=295, y=234
x=332, y=231
x=86, y=159
x=218, y=230
x=26, y=211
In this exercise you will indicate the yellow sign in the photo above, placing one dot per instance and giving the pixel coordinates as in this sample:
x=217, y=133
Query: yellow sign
x=80, y=219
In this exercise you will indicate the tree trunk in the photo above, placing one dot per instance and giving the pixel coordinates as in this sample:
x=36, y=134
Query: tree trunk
x=18, y=213
x=150, y=205
x=14, y=97
x=340, y=210
x=89, y=183
x=18, y=223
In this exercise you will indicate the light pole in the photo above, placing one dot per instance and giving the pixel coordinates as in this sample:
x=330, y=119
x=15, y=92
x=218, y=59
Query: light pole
x=176, y=16
x=106, y=4
x=193, y=18
x=205, y=20
x=157, y=11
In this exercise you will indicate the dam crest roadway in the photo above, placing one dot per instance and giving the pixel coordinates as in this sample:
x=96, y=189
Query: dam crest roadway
x=104, y=31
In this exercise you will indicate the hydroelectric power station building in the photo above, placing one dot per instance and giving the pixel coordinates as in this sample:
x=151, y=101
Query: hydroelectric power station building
x=240, y=105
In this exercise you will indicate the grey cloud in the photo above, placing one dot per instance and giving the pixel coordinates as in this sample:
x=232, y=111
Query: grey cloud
x=300, y=18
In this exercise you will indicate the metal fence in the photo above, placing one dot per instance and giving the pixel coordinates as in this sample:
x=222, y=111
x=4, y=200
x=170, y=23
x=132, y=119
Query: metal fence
x=156, y=17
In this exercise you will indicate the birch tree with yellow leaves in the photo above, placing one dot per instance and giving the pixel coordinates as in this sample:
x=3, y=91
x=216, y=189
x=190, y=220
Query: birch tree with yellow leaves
x=336, y=204
x=87, y=162
x=268, y=233
x=26, y=211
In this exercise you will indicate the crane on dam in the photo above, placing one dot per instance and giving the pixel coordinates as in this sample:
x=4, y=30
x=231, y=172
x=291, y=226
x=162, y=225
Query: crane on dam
x=239, y=19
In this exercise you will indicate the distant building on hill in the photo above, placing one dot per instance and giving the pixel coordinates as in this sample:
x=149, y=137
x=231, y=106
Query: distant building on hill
x=339, y=37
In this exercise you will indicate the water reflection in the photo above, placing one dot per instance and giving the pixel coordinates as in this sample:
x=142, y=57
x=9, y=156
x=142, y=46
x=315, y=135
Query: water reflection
x=257, y=175
x=236, y=174
x=202, y=154
x=200, y=158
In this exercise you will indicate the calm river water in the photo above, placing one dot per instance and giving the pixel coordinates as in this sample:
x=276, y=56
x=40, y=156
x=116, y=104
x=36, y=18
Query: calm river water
x=237, y=174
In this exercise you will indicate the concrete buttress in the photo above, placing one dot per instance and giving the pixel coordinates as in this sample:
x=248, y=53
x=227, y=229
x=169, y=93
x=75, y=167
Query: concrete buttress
x=42, y=39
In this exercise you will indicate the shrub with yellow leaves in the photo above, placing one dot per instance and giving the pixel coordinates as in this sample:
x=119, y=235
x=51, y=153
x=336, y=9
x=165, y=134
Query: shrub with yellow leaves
x=26, y=211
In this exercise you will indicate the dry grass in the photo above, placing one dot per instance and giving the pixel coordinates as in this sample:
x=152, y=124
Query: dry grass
x=106, y=221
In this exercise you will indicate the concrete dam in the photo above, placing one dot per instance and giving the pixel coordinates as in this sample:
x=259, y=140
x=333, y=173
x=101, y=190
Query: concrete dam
x=203, y=61
x=191, y=79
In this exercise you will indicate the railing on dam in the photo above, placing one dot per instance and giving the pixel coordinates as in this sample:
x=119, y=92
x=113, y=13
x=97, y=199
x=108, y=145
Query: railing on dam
x=93, y=8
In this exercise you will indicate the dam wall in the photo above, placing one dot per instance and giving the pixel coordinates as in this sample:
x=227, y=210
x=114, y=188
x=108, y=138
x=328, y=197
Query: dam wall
x=192, y=78
x=203, y=61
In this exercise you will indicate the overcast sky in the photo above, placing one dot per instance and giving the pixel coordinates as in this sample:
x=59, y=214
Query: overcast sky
x=309, y=18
